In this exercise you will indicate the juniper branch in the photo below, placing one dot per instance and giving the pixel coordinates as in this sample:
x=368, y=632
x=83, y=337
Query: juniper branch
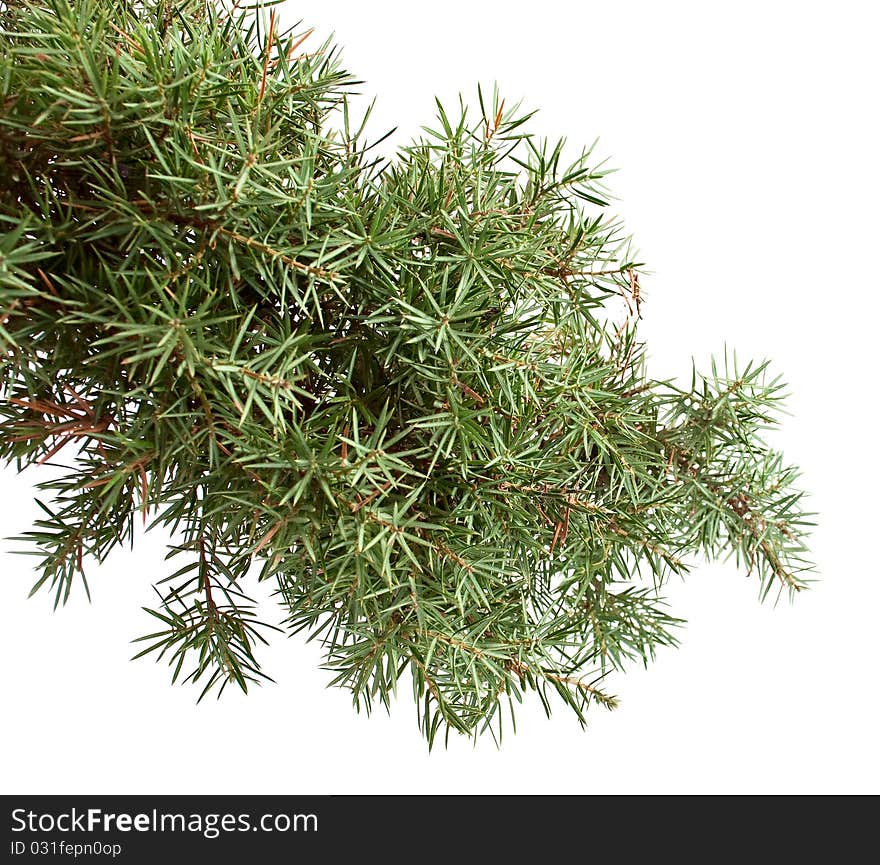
x=409, y=391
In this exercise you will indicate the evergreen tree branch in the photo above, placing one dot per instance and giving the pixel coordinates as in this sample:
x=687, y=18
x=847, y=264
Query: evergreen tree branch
x=409, y=390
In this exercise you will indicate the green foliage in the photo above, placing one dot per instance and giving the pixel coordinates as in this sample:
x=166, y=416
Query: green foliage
x=389, y=386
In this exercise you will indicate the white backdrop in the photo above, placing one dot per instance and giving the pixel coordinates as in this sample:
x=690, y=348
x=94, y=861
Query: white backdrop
x=746, y=137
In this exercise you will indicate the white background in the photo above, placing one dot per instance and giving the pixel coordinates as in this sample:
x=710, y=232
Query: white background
x=747, y=144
